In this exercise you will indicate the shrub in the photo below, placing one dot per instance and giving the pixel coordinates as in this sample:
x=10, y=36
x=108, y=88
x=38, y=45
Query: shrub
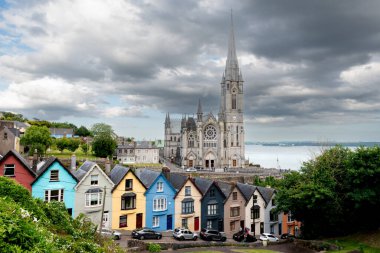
x=154, y=247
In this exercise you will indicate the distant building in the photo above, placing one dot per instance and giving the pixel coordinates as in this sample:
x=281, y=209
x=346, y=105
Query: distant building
x=206, y=140
x=137, y=152
x=61, y=132
x=9, y=140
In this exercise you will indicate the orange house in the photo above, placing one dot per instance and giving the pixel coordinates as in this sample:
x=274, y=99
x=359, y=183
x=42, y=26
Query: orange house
x=290, y=225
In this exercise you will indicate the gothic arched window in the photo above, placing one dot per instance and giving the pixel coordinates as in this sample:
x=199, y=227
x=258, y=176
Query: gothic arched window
x=233, y=101
x=191, y=141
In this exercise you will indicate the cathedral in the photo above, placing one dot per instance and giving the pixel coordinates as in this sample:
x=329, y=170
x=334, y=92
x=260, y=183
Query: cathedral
x=208, y=141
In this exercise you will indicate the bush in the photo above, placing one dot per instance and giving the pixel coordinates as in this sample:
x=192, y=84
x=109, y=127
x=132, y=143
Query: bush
x=154, y=247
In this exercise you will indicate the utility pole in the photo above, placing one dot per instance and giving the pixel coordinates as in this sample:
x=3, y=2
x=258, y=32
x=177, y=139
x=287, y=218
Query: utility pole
x=102, y=213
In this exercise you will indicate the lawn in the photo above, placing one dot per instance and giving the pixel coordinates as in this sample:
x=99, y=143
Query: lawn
x=255, y=251
x=368, y=242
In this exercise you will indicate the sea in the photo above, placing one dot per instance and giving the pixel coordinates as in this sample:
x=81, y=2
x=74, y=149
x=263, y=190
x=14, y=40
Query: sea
x=282, y=156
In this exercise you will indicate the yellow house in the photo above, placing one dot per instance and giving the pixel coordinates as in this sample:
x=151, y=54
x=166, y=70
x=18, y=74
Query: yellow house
x=188, y=206
x=128, y=200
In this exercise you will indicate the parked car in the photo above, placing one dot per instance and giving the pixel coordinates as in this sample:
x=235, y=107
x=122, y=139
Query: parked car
x=184, y=234
x=268, y=237
x=212, y=235
x=243, y=236
x=146, y=233
x=111, y=233
x=287, y=236
x=198, y=167
x=191, y=169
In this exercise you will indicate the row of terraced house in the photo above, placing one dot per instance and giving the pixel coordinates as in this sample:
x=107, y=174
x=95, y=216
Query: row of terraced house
x=133, y=198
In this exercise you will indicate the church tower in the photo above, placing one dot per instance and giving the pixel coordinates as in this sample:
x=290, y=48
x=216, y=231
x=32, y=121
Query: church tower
x=231, y=119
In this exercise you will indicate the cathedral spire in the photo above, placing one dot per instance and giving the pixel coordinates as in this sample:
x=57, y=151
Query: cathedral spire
x=200, y=112
x=232, y=66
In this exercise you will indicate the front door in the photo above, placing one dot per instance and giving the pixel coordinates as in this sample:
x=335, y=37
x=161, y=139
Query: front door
x=212, y=163
x=253, y=230
x=242, y=224
x=207, y=164
x=190, y=163
x=220, y=225
x=169, y=222
x=196, y=223
x=106, y=221
x=261, y=227
x=234, y=163
x=139, y=220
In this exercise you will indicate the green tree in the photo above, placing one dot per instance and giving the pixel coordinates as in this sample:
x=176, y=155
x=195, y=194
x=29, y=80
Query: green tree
x=40, y=123
x=83, y=132
x=84, y=147
x=13, y=116
x=62, y=143
x=37, y=137
x=104, y=142
x=73, y=144
x=339, y=188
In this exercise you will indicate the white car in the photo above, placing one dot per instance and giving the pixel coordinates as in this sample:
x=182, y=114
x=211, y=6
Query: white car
x=268, y=237
x=192, y=169
x=110, y=233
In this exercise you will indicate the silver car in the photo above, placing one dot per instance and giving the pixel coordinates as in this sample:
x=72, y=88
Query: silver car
x=111, y=233
x=184, y=234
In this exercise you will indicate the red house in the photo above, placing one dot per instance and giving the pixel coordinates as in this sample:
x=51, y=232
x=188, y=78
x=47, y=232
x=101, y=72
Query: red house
x=13, y=165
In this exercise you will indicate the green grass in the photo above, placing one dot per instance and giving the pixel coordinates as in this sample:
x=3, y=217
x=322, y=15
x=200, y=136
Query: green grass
x=255, y=251
x=369, y=242
x=205, y=251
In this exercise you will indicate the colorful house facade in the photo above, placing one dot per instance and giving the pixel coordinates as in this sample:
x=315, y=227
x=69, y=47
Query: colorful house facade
x=234, y=212
x=14, y=166
x=290, y=225
x=94, y=186
x=54, y=182
x=128, y=199
x=160, y=204
x=188, y=206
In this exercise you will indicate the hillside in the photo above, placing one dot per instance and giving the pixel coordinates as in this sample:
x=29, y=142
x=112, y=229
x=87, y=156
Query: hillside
x=31, y=225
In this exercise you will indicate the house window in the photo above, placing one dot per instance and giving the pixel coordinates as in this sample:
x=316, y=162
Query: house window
x=128, y=202
x=54, y=175
x=5, y=136
x=128, y=184
x=209, y=224
x=188, y=207
x=93, y=199
x=290, y=217
x=234, y=196
x=184, y=223
x=212, y=209
x=234, y=211
x=123, y=221
x=54, y=195
x=156, y=221
x=254, y=198
x=272, y=229
x=273, y=215
x=255, y=212
x=212, y=193
x=273, y=202
x=9, y=170
x=159, y=204
x=187, y=190
x=232, y=226
x=94, y=179
x=160, y=186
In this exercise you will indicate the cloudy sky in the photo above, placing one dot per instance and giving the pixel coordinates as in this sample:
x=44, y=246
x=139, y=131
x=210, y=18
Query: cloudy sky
x=311, y=68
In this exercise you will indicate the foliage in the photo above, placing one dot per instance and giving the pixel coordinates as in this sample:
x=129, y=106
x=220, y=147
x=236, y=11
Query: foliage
x=40, y=123
x=37, y=137
x=268, y=181
x=13, y=117
x=154, y=247
x=71, y=144
x=31, y=225
x=64, y=125
x=104, y=142
x=84, y=147
x=83, y=132
x=338, y=188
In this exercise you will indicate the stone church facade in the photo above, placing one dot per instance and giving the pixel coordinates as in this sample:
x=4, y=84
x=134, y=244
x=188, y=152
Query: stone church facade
x=208, y=141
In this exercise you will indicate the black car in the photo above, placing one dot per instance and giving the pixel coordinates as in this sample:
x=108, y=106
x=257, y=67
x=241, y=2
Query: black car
x=212, y=235
x=243, y=236
x=146, y=233
x=287, y=236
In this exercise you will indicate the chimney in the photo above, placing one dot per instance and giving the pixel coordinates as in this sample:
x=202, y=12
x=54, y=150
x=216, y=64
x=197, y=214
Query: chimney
x=166, y=172
x=73, y=162
x=108, y=166
x=35, y=160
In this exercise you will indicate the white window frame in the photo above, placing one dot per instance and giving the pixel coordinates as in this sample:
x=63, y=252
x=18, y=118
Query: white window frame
x=97, y=196
x=48, y=195
x=187, y=190
x=156, y=221
x=94, y=181
x=212, y=209
x=160, y=204
x=9, y=166
x=160, y=186
x=209, y=224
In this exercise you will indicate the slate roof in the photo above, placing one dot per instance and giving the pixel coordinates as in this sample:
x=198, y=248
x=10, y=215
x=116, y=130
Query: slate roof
x=146, y=176
x=87, y=165
x=117, y=173
x=79, y=174
x=177, y=180
x=15, y=131
x=246, y=189
x=266, y=192
x=47, y=164
x=21, y=159
x=225, y=187
x=202, y=184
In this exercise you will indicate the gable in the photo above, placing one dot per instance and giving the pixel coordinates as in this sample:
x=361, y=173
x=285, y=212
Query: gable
x=64, y=175
x=94, y=170
x=167, y=186
x=217, y=191
x=13, y=156
x=194, y=188
x=137, y=184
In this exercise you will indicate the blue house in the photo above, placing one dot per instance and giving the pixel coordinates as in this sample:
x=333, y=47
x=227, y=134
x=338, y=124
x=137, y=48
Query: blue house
x=54, y=182
x=160, y=208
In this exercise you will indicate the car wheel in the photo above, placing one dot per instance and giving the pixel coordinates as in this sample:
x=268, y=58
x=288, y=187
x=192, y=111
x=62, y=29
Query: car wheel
x=195, y=238
x=117, y=237
x=181, y=238
x=223, y=239
x=142, y=237
x=159, y=237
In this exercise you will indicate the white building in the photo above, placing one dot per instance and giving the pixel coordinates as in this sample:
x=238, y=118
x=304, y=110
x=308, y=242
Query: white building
x=137, y=152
